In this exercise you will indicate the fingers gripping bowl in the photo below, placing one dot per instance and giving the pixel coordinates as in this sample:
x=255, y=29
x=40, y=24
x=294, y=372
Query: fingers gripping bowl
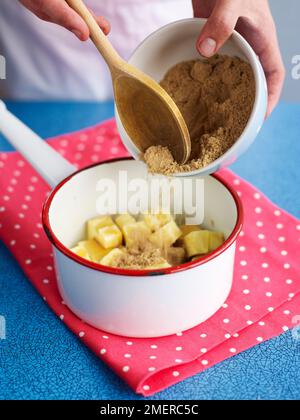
x=139, y=303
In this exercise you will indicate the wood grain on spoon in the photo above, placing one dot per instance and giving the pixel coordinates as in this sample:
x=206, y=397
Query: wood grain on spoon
x=148, y=114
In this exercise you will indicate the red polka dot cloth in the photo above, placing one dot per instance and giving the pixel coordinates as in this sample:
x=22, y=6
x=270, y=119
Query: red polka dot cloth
x=264, y=301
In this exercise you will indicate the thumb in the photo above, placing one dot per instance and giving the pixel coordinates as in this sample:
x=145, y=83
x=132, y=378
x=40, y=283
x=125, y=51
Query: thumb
x=218, y=28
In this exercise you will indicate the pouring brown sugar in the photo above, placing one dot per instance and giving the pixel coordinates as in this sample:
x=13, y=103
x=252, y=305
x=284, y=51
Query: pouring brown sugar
x=149, y=115
x=215, y=97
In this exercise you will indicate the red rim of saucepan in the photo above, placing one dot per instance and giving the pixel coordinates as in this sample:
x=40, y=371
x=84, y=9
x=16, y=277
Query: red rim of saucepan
x=125, y=272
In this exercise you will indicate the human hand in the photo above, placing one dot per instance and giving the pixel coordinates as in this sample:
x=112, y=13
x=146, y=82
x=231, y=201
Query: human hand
x=253, y=20
x=58, y=11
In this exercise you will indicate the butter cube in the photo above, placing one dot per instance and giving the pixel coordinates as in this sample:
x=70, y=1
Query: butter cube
x=186, y=229
x=196, y=243
x=112, y=258
x=166, y=235
x=216, y=239
x=124, y=219
x=98, y=222
x=136, y=234
x=175, y=255
x=109, y=236
x=155, y=221
x=94, y=249
x=81, y=252
x=163, y=264
x=196, y=257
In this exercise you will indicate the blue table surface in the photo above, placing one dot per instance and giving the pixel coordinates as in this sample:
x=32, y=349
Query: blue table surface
x=42, y=359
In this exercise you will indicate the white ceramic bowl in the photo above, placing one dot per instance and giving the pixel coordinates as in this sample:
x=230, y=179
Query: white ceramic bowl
x=130, y=302
x=176, y=42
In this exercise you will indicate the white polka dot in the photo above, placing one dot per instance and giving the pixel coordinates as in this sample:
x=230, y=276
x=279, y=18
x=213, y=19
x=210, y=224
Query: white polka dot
x=178, y=348
x=32, y=246
x=269, y=294
x=105, y=337
x=175, y=373
x=125, y=368
x=270, y=309
x=249, y=322
x=245, y=277
x=291, y=295
x=261, y=323
x=265, y=265
x=256, y=196
x=279, y=226
x=95, y=158
x=277, y=213
x=226, y=321
x=129, y=343
x=232, y=350
x=284, y=252
x=127, y=355
x=203, y=350
x=225, y=306
x=259, y=223
x=286, y=266
x=6, y=198
x=248, y=307
x=242, y=248
x=27, y=198
x=81, y=334
x=285, y=328
x=179, y=334
x=146, y=387
x=153, y=346
x=36, y=235
x=178, y=360
x=259, y=339
x=97, y=147
x=114, y=150
x=203, y=335
x=258, y=210
x=263, y=249
x=27, y=262
x=236, y=181
x=49, y=268
x=17, y=227
x=13, y=242
x=152, y=357
x=227, y=336
x=31, y=188
x=261, y=236
x=151, y=369
x=243, y=263
x=298, y=227
x=2, y=209
x=281, y=239
x=102, y=351
x=246, y=291
x=267, y=279
x=242, y=233
x=61, y=317
x=286, y=312
x=204, y=362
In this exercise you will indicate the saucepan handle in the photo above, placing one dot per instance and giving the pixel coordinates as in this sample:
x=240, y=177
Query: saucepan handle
x=52, y=167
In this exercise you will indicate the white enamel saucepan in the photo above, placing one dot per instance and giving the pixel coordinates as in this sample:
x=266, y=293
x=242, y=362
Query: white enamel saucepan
x=126, y=302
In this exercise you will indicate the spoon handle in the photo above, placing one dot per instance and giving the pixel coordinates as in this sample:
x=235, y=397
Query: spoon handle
x=110, y=55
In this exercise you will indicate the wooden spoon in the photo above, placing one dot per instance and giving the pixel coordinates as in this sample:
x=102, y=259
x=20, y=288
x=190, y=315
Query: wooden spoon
x=148, y=114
